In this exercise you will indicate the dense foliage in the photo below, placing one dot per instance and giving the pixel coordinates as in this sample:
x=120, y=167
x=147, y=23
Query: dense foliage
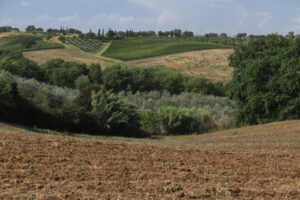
x=122, y=78
x=266, y=80
x=167, y=120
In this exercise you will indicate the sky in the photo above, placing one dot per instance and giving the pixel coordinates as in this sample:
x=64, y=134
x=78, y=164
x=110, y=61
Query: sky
x=200, y=16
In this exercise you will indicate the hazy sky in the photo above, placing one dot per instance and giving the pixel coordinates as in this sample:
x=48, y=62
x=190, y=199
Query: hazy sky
x=200, y=16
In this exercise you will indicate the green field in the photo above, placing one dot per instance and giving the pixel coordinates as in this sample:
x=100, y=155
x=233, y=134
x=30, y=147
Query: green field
x=14, y=43
x=132, y=49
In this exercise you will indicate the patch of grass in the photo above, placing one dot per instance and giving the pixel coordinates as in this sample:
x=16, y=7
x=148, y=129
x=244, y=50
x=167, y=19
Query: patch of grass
x=4, y=143
x=234, y=133
x=131, y=49
x=15, y=43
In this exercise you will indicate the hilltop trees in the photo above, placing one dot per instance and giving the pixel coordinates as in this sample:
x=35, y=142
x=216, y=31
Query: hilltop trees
x=30, y=29
x=266, y=80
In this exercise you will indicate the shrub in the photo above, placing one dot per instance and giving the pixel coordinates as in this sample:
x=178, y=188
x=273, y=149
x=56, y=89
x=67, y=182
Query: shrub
x=39, y=93
x=82, y=82
x=28, y=42
x=95, y=73
x=112, y=115
x=62, y=39
x=168, y=120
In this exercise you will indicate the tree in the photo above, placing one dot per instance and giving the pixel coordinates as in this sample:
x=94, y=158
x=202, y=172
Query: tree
x=30, y=28
x=39, y=30
x=291, y=35
x=266, y=82
x=117, y=78
x=90, y=35
x=28, y=42
x=177, y=32
x=110, y=34
x=82, y=82
x=241, y=35
x=95, y=73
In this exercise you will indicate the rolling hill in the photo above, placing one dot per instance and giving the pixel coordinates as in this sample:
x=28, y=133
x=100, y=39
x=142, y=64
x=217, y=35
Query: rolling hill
x=22, y=42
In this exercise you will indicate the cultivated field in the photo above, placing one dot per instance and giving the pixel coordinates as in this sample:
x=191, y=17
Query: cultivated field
x=132, y=49
x=260, y=162
x=211, y=64
x=69, y=53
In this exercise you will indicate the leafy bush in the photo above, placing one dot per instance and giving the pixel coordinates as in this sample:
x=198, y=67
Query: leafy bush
x=266, y=80
x=28, y=42
x=112, y=114
x=62, y=39
x=167, y=120
x=82, y=82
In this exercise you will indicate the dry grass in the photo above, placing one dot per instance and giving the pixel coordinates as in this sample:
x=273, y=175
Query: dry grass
x=212, y=64
x=260, y=162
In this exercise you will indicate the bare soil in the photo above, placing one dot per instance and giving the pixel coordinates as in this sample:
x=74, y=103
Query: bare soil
x=261, y=162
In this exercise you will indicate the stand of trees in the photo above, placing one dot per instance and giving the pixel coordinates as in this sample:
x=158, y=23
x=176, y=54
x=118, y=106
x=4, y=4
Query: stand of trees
x=266, y=80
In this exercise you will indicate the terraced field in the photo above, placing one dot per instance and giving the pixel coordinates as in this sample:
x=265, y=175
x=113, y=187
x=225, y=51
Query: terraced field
x=260, y=162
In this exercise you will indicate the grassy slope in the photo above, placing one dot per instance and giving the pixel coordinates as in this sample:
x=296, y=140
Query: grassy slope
x=12, y=42
x=143, y=48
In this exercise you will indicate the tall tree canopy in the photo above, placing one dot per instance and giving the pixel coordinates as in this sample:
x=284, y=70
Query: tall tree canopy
x=266, y=80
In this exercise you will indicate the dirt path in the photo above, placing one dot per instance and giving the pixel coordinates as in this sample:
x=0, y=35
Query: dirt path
x=211, y=166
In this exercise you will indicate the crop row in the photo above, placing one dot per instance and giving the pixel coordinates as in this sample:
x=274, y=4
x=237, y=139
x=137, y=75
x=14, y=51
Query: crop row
x=88, y=45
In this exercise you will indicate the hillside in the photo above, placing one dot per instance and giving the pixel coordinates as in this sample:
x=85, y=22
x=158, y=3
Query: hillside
x=70, y=53
x=132, y=49
x=254, y=162
x=22, y=42
x=211, y=64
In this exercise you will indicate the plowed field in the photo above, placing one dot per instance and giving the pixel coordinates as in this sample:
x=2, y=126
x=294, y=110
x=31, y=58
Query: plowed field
x=261, y=162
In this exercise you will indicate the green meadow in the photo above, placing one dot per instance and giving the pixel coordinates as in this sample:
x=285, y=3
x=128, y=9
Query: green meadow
x=132, y=49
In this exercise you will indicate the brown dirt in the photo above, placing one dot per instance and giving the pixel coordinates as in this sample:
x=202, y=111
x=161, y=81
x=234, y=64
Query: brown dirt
x=212, y=64
x=261, y=162
x=4, y=34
